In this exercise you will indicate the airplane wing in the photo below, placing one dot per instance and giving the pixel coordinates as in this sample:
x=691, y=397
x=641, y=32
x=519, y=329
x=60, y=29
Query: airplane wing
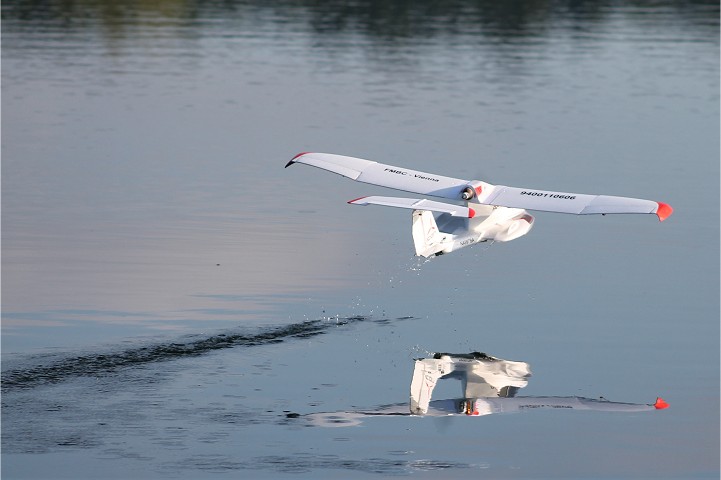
x=416, y=204
x=367, y=171
x=414, y=181
x=576, y=203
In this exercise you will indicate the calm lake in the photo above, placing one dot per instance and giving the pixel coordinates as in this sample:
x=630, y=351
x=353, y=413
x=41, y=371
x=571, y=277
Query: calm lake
x=176, y=304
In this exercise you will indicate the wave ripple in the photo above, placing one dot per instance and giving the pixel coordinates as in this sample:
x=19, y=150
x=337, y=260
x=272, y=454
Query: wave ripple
x=103, y=363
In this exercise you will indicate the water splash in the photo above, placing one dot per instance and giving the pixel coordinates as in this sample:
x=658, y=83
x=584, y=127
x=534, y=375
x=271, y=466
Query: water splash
x=416, y=263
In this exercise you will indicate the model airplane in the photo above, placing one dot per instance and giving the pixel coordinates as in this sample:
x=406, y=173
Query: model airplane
x=489, y=386
x=486, y=212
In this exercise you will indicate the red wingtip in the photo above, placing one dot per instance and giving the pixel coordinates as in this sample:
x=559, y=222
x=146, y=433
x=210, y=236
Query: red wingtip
x=356, y=199
x=660, y=404
x=471, y=213
x=664, y=211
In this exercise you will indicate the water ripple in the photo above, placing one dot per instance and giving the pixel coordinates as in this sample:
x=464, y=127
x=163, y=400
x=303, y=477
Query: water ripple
x=98, y=364
x=306, y=463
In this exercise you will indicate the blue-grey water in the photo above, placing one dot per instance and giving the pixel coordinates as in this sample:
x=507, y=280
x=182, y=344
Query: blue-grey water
x=171, y=293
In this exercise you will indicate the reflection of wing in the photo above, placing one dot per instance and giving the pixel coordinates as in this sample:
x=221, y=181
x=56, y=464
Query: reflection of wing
x=389, y=176
x=579, y=204
x=479, y=407
x=399, y=178
x=487, y=406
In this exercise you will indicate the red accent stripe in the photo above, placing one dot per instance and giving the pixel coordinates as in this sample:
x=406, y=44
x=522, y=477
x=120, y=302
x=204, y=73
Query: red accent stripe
x=293, y=159
x=479, y=189
x=355, y=200
x=663, y=211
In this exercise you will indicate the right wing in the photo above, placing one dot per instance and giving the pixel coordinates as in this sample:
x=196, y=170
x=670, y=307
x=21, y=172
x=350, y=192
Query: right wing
x=375, y=173
x=575, y=203
x=416, y=204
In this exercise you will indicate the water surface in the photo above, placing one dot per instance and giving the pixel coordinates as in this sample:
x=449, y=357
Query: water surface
x=147, y=219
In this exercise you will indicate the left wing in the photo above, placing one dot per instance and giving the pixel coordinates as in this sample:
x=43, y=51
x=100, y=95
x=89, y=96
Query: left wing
x=416, y=204
x=383, y=175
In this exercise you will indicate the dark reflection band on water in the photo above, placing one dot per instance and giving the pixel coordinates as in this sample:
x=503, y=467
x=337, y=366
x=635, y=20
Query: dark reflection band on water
x=489, y=385
x=51, y=369
x=387, y=22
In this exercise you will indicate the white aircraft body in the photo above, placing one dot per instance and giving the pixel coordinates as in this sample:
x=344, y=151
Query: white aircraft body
x=486, y=212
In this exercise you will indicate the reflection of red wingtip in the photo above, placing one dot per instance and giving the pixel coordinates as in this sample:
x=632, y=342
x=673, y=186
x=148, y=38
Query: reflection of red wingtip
x=660, y=404
x=663, y=211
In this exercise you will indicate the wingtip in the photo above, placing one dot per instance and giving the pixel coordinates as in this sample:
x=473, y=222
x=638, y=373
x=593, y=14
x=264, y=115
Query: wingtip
x=660, y=404
x=663, y=211
x=355, y=200
x=292, y=160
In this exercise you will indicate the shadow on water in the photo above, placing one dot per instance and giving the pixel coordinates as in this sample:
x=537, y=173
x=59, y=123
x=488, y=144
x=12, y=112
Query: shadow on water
x=96, y=364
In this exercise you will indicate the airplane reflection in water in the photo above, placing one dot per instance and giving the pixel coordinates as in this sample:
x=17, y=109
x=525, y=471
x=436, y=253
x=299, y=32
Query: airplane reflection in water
x=489, y=386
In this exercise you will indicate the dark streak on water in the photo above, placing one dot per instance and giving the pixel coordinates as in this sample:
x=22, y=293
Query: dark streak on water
x=127, y=420
x=100, y=364
x=308, y=463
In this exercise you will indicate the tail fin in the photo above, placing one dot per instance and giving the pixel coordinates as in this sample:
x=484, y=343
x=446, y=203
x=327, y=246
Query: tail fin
x=426, y=237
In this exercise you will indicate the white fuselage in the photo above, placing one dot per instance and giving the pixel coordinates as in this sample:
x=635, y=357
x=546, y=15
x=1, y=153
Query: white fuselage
x=436, y=235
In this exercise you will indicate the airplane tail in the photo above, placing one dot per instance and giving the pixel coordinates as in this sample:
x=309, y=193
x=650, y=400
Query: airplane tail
x=426, y=236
